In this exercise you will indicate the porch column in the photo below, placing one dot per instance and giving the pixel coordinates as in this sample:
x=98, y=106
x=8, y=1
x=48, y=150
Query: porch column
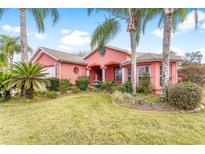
x=123, y=75
x=103, y=74
x=88, y=72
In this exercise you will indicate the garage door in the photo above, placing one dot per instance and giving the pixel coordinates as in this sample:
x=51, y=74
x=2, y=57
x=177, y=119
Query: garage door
x=51, y=71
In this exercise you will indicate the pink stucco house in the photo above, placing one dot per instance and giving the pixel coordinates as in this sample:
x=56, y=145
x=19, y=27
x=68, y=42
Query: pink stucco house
x=109, y=63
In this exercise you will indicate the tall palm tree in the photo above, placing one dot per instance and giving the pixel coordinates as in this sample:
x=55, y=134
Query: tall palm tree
x=10, y=45
x=109, y=29
x=170, y=17
x=39, y=15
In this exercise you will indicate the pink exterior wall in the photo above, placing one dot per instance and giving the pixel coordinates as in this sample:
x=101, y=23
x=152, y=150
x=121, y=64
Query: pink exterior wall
x=68, y=73
x=155, y=74
x=48, y=61
x=63, y=70
x=111, y=56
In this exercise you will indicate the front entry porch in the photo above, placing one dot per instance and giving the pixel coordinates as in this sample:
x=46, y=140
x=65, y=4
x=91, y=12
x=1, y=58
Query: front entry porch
x=111, y=71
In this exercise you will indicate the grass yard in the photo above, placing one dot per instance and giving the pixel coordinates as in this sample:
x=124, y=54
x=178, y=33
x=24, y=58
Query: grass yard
x=92, y=118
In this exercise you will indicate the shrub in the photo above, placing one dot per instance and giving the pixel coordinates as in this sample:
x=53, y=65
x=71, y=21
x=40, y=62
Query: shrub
x=75, y=89
x=40, y=93
x=121, y=88
x=120, y=97
x=128, y=86
x=107, y=86
x=97, y=84
x=54, y=84
x=93, y=89
x=64, y=86
x=194, y=73
x=185, y=95
x=144, y=85
x=51, y=94
x=2, y=99
x=82, y=82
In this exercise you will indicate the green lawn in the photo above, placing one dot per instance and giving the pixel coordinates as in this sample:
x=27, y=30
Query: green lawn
x=93, y=119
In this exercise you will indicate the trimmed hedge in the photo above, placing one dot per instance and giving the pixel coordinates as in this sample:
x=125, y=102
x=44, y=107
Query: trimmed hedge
x=185, y=95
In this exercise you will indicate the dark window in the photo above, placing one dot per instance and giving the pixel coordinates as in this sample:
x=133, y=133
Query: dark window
x=118, y=74
x=76, y=70
x=102, y=51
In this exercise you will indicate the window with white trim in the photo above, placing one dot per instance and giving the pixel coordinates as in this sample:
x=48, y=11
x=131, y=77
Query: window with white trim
x=118, y=74
x=143, y=71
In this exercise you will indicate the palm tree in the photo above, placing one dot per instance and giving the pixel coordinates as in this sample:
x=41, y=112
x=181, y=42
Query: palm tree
x=108, y=30
x=10, y=45
x=170, y=17
x=27, y=76
x=39, y=15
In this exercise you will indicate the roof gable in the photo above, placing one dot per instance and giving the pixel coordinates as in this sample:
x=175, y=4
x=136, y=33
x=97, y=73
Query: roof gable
x=110, y=47
x=60, y=56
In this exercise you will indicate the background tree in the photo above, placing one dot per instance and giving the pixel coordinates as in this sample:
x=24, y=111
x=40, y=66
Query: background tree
x=39, y=15
x=109, y=29
x=194, y=57
x=10, y=45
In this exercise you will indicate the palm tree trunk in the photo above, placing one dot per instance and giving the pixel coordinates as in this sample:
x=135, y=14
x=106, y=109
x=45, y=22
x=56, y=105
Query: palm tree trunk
x=24, y=43
x=11, y=57
x=132, y=31
x=166, y=52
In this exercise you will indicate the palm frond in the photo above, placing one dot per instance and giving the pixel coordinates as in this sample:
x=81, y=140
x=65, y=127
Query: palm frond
x=105, y=32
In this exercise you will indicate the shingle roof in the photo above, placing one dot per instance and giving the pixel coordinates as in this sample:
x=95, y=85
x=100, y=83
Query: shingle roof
x=145, y=57
x=64, y=56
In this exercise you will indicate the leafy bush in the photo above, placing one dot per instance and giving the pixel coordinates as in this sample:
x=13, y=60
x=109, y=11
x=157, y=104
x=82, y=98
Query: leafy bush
x=64, y=86
x=121, y=88
x=144, y=85
x=120, y=97
x=54, y=84
x=51, y=94
x=185, y=95
x=82, y=82
x=194, y=73
x=75, y=89
x=93, y=89
x=2, y=99
x=97, y=84
x=128, y=86
x=4, y=89
x=107, y=86
x=40, y=93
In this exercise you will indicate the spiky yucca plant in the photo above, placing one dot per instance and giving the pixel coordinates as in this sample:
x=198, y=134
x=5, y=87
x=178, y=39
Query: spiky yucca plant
x=27, y=77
